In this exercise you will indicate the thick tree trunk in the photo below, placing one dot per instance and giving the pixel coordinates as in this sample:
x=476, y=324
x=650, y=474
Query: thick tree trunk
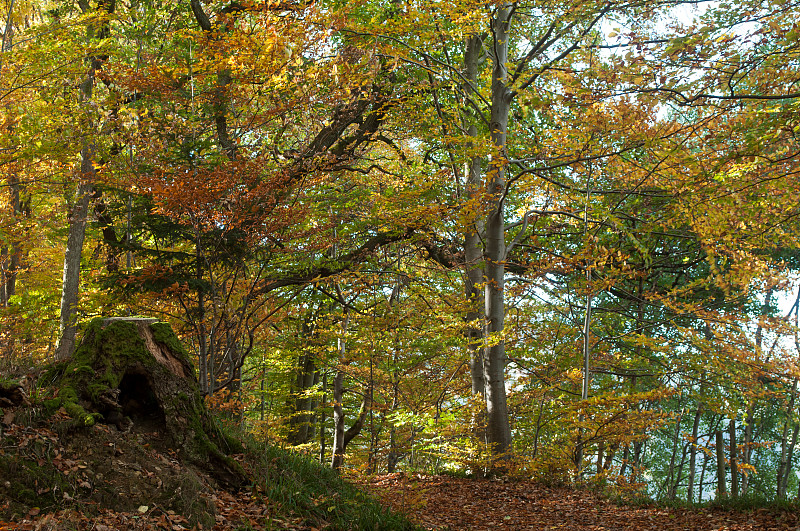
x=498, y=429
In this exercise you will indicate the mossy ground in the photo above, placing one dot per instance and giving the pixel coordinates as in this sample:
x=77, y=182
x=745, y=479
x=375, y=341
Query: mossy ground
x=47, y=467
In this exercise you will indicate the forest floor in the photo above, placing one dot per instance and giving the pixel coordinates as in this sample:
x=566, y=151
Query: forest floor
x=82, y=475
x=450, y=503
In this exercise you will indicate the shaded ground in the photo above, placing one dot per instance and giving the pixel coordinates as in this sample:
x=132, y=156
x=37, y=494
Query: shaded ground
x=102, y=479
x=447, y=503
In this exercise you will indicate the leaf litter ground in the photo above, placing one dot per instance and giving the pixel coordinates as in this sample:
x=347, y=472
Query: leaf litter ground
x=448, y=503
x=104, y=468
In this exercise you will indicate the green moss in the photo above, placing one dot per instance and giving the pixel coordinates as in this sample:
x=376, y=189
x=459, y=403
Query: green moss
x=26, y=484
x=163, y=333
x=68, y=399
x=51, y=404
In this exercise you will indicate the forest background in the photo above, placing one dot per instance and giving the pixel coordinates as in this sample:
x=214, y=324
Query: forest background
x=538, y=238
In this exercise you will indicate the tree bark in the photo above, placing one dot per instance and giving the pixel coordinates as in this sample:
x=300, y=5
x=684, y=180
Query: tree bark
x=473, y=247
x=70, y=283
x=693, y=453
x=341, y=436
x=671, y=471
x=702, y=476
x=722, y=490
x=734, y=457
x=147, y=385
x=787, y=448
x=337, y=459
x=498, y=429
x=301, y=423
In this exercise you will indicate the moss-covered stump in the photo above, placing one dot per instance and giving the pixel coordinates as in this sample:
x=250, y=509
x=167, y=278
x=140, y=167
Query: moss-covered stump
x=135, y=374
x=12, y=394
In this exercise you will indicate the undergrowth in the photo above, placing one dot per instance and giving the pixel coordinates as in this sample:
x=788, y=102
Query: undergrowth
x=301, y=486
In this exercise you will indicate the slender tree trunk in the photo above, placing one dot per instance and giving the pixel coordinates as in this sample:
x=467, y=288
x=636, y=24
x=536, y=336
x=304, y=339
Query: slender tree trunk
x=679, y=473
x=787, y=448
x=473, y=247
x=722, y=490
x=13, y=260
x=792, y=446
x=702, y=477
x=693, y=453
x=498, y=427
x=337, y=458
x=746, y=443
x=342, y=437
x=70, y=282
x=394, y=452
x=322, y=419
x=673, y=457
x=734, y=457
x=587, y=327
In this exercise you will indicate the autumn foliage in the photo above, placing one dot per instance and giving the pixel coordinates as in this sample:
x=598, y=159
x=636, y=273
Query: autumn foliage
x=542, y=240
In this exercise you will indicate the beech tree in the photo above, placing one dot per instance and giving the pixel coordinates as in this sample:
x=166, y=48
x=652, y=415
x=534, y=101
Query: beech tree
x=557, y=231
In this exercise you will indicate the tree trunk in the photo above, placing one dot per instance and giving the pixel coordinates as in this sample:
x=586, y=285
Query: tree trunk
x=473, y=248
x=70, y=283
x=671, y=471
x=301, y=423
x=784, y=466
x=693, y=453
x=733, y=454
x=322, y=419
x=679, y=474
x=341, y=436
x=702, y=476
x=337, y=458
x=498, y=429
x=722, y=491
x=746, y=444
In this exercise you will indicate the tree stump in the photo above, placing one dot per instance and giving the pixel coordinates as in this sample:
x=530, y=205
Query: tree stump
x=135, y=374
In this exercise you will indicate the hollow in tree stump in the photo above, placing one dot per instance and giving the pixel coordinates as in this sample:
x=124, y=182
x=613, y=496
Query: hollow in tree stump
x=135, y=374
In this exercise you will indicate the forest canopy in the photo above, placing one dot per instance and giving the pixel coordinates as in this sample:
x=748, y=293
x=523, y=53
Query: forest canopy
x=555, y=239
